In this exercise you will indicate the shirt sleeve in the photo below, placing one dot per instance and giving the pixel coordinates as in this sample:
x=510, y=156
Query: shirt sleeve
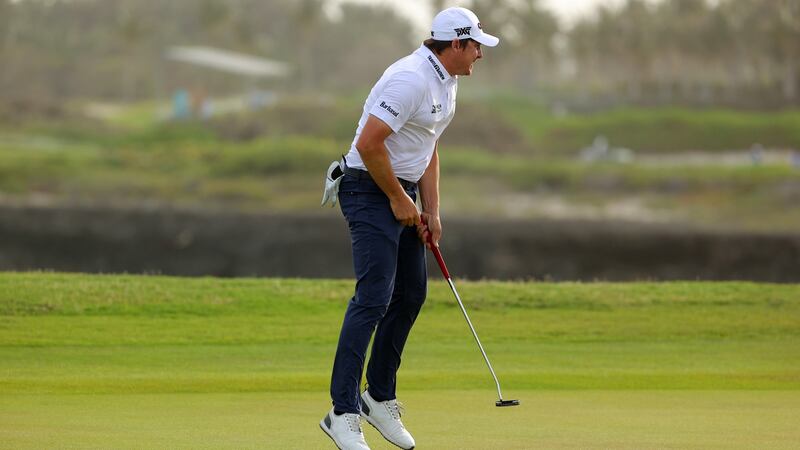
x=399, y=100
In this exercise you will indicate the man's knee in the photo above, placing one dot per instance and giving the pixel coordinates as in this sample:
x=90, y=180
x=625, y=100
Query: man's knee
x=416, y=293
x=375, y=289
x=370, y=303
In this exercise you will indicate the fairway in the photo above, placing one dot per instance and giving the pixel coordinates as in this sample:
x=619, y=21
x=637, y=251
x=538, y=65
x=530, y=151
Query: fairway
x=162, y=362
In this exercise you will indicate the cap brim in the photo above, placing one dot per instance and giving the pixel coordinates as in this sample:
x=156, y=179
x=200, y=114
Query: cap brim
x=487, y=39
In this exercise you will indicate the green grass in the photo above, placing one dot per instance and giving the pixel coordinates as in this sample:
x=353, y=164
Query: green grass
x=567, y=175
x=546, y=419
x=660, y=130
x=152, y=362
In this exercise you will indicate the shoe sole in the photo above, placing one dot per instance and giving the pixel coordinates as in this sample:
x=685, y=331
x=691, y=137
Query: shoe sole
x=322, y=427
x=367, y=418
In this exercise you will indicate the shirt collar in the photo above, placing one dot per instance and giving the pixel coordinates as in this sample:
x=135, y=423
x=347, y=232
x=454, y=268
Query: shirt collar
x=433, y=62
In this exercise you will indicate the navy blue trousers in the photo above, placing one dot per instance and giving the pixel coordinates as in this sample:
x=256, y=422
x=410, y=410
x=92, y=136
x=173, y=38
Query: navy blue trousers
x=391, y=284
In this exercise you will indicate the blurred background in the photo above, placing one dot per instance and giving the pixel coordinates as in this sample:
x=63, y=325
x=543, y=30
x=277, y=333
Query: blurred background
x=612, y=140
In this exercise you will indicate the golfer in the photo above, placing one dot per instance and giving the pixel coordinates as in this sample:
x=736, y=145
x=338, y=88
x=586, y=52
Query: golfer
x=393, y=159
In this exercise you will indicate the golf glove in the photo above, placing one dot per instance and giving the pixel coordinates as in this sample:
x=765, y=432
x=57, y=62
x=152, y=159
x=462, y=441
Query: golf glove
x=332, y=179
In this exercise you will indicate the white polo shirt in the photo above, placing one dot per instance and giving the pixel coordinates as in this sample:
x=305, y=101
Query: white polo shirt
x=416, y=97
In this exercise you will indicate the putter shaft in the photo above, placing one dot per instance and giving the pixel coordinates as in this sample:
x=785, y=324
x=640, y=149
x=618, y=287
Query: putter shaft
x=472, y=328
x=438, y=255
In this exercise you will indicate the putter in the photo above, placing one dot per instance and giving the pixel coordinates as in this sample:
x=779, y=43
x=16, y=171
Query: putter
x=438, y=255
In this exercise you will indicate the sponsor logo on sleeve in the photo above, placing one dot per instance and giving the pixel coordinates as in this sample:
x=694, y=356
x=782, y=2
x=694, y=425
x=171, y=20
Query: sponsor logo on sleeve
x=463, y=31
x=391, y=110
x=436, y=108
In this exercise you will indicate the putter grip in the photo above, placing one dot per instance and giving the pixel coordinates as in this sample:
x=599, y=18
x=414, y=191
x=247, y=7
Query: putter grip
x=436, y=253
x=440, y=260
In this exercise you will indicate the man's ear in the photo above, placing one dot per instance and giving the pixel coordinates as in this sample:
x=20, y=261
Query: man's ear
x=455, y=44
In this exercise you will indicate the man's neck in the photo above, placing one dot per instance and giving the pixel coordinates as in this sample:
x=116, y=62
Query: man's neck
x=446, y=59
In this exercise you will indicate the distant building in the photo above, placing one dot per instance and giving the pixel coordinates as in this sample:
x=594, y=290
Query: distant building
x=198, y=103
x=231, y=62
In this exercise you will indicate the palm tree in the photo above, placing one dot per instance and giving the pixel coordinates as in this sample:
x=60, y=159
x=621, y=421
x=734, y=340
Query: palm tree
x=308, y=16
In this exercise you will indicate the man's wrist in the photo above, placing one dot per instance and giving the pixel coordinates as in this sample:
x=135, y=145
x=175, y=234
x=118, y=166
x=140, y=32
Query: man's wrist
x=397, y=195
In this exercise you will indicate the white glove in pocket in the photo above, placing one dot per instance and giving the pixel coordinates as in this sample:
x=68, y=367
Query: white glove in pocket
x=332, y=179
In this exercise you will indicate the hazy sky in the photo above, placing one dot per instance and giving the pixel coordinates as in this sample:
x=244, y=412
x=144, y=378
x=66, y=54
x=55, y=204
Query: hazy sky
x=420, y=13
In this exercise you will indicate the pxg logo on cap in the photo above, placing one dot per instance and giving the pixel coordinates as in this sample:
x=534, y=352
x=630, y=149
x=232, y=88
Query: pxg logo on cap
x=460, y=23
x=462, y=31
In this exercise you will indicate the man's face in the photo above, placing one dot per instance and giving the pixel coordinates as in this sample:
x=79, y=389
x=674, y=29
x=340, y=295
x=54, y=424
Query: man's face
x=467, y=55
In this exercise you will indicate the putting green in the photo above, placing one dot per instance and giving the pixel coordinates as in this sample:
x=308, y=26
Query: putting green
x=439, y=420
x=160, y=362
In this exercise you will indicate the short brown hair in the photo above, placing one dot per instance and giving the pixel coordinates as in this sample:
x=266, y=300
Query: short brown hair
x=439, y=46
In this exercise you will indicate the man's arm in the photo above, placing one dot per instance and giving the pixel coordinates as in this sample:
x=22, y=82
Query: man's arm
x=372, y=149
x=429, y=195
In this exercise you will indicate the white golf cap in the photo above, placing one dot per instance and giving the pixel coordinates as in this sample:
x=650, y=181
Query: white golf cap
x=460, y=23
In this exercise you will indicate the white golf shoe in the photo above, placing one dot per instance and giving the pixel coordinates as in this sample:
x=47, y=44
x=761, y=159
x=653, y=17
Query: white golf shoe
x=385, y=417
x=345, y=430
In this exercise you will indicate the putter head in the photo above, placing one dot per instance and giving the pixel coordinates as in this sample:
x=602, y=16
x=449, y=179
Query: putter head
x=506, y=403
